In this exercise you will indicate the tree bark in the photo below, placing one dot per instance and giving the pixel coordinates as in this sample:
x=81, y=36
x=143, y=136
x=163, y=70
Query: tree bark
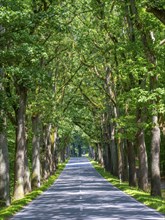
x=4, y=165
x=114, y=158
x=20, y=143
x=131, y=162
x=106, y=156
x=36, y=152
x=4, y=156
x=125, y=166
x=91, y=152
x=122, y=159
x=106, y=142
x=62, y=155
x=96, y=152
x=79, y=150
x=155, y=159
x=54, y=150
x=47, y=152
x=100, y=154
x=143, y=162
x=27, y=180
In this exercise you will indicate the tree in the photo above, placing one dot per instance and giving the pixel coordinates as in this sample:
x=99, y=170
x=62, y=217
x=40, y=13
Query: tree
x=4, y=157
x=146, y=39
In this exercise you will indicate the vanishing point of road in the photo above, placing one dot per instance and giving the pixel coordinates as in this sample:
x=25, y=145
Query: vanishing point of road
x=80, y=193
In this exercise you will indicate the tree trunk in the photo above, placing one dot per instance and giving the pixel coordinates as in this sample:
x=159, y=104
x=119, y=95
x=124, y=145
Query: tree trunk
x=91, y=152
x=27, y=180
x=47, y=152
x=68, y=151
x=100, y=154
x=20, y=143
x=159, y=13
x=110, y=88
x=114, y=159
x=108, y=142
x=54, y=150
x=4, y=156
x=62, y=155
x=4, y=164
x=143, y=162
x=132, y=163
x=107, y=157
x=36, y=152
x=79, y=150
x=155, y=160
x=122, y=160
x=96, y=153
x=147, y=41
x=125, y=167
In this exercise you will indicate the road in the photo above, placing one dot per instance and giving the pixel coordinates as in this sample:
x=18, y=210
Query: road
x=80, y=193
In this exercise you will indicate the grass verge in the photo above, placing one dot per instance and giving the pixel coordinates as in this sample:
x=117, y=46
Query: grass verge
x=7, y=212
x=156, y=203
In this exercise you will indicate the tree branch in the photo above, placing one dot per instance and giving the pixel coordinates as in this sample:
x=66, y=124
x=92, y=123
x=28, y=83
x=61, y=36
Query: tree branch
x=159, y=13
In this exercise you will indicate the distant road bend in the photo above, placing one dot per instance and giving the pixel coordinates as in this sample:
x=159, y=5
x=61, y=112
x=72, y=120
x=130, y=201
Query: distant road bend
x=81, y=193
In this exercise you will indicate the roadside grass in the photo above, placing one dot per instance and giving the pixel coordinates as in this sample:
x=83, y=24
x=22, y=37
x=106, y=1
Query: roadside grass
x=7, y=212
x=156, y=203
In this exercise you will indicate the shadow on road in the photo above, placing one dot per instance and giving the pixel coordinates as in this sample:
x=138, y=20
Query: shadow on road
x=81, y=193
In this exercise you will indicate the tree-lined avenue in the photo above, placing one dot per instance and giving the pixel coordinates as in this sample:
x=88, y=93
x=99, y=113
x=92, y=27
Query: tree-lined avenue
x=82, y=77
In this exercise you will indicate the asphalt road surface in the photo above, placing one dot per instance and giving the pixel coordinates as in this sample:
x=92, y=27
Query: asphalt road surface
x=80, y=193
